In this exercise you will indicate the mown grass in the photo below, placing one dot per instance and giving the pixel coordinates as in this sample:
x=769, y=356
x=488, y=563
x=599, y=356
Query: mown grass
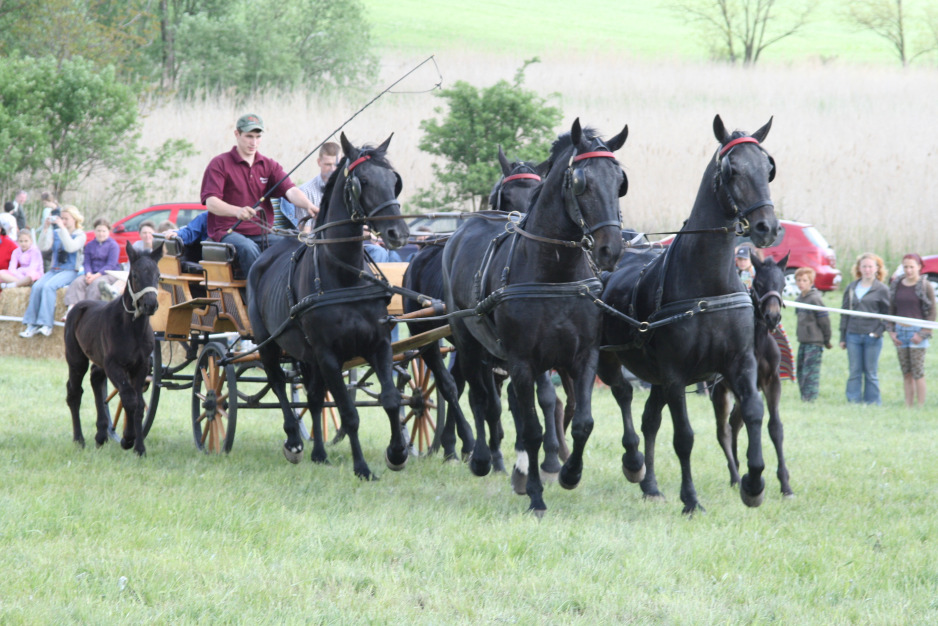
x=651, y=29
x=99, y=536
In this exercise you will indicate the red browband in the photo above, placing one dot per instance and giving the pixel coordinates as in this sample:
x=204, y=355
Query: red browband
x=590, y=155
x=520, y=177
x=736, y=142
x=358, y=162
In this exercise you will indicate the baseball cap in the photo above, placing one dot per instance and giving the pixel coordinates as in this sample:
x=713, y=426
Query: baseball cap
x=742, y=253
x=249, y=122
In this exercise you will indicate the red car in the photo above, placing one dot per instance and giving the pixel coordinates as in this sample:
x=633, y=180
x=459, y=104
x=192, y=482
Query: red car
x=128, y=228
x=808, y=249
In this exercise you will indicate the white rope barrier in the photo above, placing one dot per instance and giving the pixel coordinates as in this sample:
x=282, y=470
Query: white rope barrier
x=908, y=321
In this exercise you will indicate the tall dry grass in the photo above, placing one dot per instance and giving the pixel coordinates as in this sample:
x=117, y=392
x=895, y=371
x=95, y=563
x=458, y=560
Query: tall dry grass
x=855, y=146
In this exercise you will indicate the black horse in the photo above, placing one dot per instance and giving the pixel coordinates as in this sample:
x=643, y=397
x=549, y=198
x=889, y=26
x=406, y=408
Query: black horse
x=116, y=339
x=696, y=317
x=767, y=287
x=424, y=274
x=531, y=289
x=316, y=303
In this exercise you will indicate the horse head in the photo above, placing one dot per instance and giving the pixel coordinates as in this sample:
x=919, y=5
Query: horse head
x=142, y=280
x=592, y=185
x=767, y=287
x=741, y=181
x=371, y=190
x=519, y=179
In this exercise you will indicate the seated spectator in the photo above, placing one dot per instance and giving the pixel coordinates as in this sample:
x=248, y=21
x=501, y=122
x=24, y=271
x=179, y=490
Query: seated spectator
x=63, y=235
x=378, y=253
x=101, y=254
x=191, y=235
x=50, y=206
x=147, y=230
x=8, y=222
x=25, y=264
x=7, y=243
x=165, y=226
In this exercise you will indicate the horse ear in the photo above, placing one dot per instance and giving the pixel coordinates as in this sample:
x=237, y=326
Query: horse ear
x=783, y=262
x=503, y=161
x=131, y=251
x=157, y=252
x=542, y=168
x=384, y=145
x=619, y=140
x=760, y=134
x=576, y=132
x=719, y=130
x=347, y=148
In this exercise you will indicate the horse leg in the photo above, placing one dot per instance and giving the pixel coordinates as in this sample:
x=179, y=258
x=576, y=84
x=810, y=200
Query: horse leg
x=454, y=415
x=395, y=455
x=519, y=473
x=522, y=383
x=651, y=423
x=98, y=381
x=276, y=378
x=330, y=368
x=132, y=403
x=462, y=425
x=77, y=367
x=772, y=388
x=683, y=445
x=315, y=399
x=721, y=398
x=743, y=381
x=547, y=400
x=484, y=402
x=610, y=372
x=583, y=381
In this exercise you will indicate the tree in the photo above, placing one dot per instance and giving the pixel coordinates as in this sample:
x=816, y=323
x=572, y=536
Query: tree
x=63, y=121
x=478, y=121
x=896, y=21
x=742, y=29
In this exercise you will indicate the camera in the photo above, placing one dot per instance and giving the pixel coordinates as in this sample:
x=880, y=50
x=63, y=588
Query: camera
x=56, y=212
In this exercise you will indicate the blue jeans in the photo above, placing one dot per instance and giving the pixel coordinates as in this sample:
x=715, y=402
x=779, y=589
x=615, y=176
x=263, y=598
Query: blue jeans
x=41, y=308
x=863, y=355
x=248, y=247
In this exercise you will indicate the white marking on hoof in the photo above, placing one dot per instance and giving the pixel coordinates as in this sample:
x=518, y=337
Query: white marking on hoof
x=522, y=463
x=291, y=455
x=634, y=477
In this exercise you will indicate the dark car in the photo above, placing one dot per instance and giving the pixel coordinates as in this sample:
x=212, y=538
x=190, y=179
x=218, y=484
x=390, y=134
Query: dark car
x=128, y=228
x=808, y=248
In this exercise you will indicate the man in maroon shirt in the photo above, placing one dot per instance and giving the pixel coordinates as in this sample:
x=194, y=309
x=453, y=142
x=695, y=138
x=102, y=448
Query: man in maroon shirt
x=234, y=181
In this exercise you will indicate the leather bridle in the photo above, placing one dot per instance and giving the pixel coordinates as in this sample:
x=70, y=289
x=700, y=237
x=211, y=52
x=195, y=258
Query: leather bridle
x=721, y=183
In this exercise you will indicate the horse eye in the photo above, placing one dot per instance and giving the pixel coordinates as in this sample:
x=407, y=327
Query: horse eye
x=579, y=181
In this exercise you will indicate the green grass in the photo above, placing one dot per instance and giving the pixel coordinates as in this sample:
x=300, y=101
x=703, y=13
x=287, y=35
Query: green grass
x=99, y=536
x=623, y=28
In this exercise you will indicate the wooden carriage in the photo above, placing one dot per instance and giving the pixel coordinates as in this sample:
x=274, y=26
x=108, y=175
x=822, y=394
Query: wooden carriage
x=203, y=321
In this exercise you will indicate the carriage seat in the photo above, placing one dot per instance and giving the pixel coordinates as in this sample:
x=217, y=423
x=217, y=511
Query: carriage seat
x=215, y=252
x=187, y=256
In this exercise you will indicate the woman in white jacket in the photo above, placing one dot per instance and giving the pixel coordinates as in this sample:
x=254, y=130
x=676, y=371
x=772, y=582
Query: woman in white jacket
x=63, y=235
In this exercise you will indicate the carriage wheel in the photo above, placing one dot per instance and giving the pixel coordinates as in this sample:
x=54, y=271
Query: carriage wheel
x=253, y=383
x=151, y=394
x=423, y=409
x=214, y=401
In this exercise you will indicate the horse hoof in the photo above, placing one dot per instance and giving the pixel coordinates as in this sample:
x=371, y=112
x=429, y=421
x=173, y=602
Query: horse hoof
x=79, y=443
x=519, y=481
x=788, y=496
x=634, y=476
x=751, y=500
x=294, y=456
x=466, y=455
x=549, y=477
x=394, y=467
x=127, y=444
x=480, y=468
x=538, y=513
x=568, y=479
x=654, y=497
x=692, y=508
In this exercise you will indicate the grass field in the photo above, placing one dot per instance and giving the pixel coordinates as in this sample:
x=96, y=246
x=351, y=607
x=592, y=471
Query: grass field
x=99, y=536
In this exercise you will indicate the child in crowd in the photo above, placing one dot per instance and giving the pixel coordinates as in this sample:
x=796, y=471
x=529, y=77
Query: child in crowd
x=814, y=334
x=25, y=264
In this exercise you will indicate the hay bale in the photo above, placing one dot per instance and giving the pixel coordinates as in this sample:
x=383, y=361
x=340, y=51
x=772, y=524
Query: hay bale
x=13, y=303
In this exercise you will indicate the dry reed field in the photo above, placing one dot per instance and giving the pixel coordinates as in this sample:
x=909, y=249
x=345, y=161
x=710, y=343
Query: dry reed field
x=855, y=146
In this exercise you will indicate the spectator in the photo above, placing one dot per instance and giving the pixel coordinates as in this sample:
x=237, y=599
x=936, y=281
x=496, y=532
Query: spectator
x=744, y=265
x=911, y=295
x=165, y=226
x=25, y=264
x=50, y=206
x=8, y=222
x=313, y=189
x=18, y=208
x=234, y=181
x=101, y=254
x=147, y=230
x=377, y=252
x=191, y=235
x=814, y=334
x=7, y=240
x=862, y=337
x=64, y=236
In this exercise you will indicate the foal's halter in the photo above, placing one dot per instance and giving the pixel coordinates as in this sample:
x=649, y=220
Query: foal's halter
x=135, y=296
x=721, y=183
x=759, y=301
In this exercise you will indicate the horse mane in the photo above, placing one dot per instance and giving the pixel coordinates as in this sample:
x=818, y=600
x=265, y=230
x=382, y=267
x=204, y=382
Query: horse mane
x=564, y=141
